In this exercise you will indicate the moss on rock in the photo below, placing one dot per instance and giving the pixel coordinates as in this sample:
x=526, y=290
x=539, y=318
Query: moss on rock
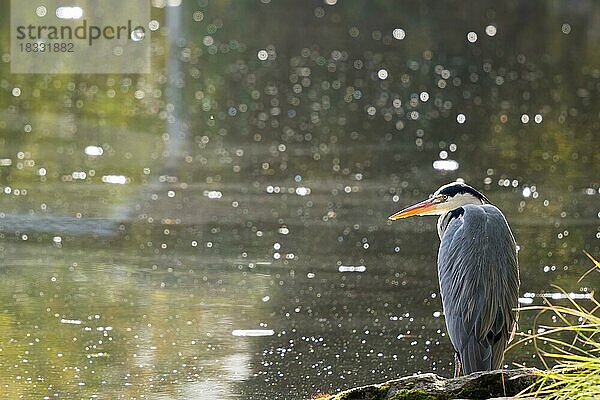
x=373, y=392
x=479, y=385
x=414, y=394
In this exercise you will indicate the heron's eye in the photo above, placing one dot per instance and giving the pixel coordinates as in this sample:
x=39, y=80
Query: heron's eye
x=444, y=197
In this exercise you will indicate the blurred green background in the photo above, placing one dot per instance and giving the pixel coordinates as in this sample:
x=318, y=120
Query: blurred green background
x=258, y=164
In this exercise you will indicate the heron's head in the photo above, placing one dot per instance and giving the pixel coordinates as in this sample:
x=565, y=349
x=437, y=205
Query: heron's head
x=447, y=198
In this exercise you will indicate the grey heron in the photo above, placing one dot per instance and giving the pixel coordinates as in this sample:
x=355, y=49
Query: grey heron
x=478, y=274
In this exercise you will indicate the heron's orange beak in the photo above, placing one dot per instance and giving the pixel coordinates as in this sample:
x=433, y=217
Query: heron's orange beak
x=418, y=208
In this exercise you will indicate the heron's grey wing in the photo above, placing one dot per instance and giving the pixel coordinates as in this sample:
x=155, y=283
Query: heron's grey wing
x=479, y=283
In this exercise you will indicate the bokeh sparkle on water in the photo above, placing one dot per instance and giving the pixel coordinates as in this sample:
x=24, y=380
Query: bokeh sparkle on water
x=219, y=229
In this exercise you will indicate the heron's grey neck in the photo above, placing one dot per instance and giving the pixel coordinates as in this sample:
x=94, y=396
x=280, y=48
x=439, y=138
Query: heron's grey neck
x=456, y=203
x=445, y=219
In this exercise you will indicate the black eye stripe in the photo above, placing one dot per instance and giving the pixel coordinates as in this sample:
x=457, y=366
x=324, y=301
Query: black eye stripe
x=461, y=188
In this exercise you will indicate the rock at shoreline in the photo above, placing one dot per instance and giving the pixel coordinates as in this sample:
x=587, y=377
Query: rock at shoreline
x=479, y=385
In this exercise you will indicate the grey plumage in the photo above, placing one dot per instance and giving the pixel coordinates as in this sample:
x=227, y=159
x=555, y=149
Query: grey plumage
x=478, y=273
x=479, y=283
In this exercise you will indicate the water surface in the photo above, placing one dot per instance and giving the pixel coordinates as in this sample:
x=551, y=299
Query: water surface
x=247, y=254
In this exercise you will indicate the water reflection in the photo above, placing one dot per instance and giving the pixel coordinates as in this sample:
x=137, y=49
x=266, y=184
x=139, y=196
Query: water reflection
x=93, y=323
x=187, y=309
x=238, y=246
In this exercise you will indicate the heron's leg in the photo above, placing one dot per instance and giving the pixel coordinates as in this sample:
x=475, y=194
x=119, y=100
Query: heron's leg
x=457, y=366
